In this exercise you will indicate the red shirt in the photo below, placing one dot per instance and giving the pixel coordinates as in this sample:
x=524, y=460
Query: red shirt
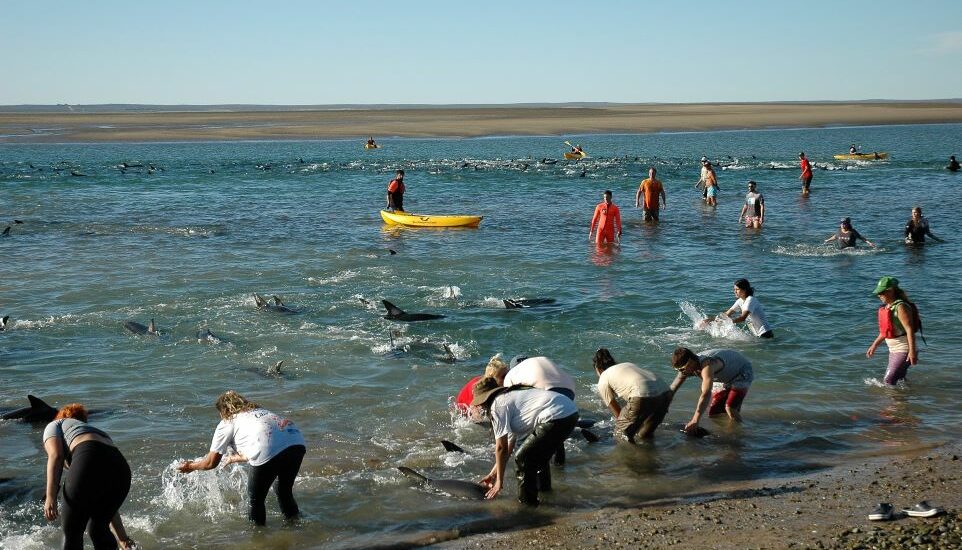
x=806, y=168
x=466, y=395
x=395, y=185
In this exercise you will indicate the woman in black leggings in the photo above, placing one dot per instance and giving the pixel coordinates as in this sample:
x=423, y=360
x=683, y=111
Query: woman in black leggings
x=96, y=484
x=271, y=444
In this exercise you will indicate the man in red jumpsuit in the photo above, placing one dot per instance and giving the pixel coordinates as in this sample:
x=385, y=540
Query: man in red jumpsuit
x=607, y=216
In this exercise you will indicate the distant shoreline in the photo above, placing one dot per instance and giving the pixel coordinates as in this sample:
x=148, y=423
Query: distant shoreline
x=344, y=122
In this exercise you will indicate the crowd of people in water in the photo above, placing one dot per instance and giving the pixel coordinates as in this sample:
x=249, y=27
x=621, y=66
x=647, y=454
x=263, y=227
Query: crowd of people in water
x=529, y=401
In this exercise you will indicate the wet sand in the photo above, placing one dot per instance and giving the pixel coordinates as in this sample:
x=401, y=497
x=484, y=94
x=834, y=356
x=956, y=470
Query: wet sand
x=820, y=510
x=154, y=125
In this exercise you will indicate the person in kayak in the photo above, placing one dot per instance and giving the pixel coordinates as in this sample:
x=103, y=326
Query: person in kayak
x=577, y=149
x=652, y=189
x=953, y=164
x=753, y=211
x=271, y=444
x=806, y=175
x=370, y=142
x=917, y=228
x=853, y=150
x=847, y=236
x=646, y=398
x=607, y=217
x=395, y=192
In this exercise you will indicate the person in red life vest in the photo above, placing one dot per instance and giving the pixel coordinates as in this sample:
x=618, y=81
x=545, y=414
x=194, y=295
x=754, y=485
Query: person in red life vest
x=607, y=217
x=806, y=176
x=395, y=192
x=496, y=369
x=898, y=321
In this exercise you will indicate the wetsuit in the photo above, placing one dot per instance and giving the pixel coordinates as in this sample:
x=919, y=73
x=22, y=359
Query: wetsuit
x=607, y=216
x=915, y=232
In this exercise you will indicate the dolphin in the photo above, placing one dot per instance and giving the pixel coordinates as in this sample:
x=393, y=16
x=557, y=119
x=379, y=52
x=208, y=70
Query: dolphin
x=6, y=232
x=17, y=221
x=397, y=314
x=527, y=302
x=38, y=411
x=4, y=321
x=453, y=487
x=275, y=369
x=137, y=328
x=277, y=307
x=205, y=336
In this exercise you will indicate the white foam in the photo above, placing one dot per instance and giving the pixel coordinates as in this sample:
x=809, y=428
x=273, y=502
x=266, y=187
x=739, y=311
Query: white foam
x=822, y=250
x=213, y=494
x=720, y=327
x=451, y=292
x=340, y=277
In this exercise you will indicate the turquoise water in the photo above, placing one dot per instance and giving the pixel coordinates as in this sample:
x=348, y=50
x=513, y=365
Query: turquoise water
x=188, y=242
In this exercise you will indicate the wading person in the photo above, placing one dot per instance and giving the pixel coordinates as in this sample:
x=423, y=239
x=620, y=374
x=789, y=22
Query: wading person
x=534, y=422
x=898, y=321
x=651, y=189
x=727, y=368
x=607, y=217
x=272, y=445
x=542, y=373
x=847, y=236
x=395, y=192
x=96, y=483
x=917, y=228
x=753, y=211
x=749, y=309
x=646, y=398
x=806, y=175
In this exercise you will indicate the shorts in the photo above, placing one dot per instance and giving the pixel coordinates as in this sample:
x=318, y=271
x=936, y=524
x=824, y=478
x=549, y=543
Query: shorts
x=806, y=182
x=750, y=220
x=650, y=215
x=732, y=397
x=711, y=191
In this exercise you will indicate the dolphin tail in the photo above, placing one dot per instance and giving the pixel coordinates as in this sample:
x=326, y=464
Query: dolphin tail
x=392, y=310
x=451, y=447
x=412, y=474
x=259, y=301
x=38, y=404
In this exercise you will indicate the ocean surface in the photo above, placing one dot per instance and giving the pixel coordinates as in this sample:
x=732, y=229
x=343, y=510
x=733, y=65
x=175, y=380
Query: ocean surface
x=188, y=232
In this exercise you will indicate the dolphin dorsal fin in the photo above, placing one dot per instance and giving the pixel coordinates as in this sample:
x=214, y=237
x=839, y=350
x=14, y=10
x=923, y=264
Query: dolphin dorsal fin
x=152, y=328
x=392, y=309
x=412, y=474
x=277, y=301
x=39, y=404
x=276, y=368
x=259, y=301
x=451, y=447
x=3, y=322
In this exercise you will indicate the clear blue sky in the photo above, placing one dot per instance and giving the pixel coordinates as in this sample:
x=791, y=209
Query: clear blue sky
x=302, y=52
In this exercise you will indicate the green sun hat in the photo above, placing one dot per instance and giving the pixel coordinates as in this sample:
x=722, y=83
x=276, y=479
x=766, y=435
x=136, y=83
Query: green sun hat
x=885, y=283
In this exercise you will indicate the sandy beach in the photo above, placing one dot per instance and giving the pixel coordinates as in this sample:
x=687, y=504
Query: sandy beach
x=821, y=510
x=150, y=125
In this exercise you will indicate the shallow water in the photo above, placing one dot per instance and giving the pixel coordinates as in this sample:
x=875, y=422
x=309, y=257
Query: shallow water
x=188, y=242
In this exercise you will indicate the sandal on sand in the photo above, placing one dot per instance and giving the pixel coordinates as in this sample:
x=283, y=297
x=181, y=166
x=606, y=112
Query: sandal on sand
x=882, y=512
x=922, y=510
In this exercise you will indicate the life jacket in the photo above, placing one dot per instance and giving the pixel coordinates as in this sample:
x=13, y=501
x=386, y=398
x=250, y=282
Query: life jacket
x=890, y=326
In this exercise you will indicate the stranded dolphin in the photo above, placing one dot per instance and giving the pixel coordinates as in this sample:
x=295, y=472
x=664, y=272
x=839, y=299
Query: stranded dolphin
x=397, y=314
x=527, y=302
x=453, y=487
x=137, y=328
x=38, y=411
x=277, y=307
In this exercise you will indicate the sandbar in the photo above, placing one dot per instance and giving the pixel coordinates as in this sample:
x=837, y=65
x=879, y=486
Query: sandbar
x=167, y=124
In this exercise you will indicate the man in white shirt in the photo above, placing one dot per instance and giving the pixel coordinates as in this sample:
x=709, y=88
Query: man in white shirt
x=646, y=397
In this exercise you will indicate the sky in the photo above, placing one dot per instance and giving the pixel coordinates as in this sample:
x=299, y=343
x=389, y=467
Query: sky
x=455, y=52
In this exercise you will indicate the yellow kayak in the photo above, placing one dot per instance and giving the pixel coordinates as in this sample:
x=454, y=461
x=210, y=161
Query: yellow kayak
x=421, y=220
x=575, y=156
x=371, y=146
x=862, y=156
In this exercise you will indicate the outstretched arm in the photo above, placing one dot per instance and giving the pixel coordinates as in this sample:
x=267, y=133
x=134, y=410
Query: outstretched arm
x=209, y=462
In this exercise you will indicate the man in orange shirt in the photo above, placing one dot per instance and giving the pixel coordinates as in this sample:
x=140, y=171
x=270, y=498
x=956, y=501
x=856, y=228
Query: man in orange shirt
x=395, y=192
x=806, y=176
x=651, y=188
x=607, y=216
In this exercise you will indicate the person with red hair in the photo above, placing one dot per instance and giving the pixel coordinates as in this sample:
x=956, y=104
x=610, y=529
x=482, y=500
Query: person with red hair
x=96, y=483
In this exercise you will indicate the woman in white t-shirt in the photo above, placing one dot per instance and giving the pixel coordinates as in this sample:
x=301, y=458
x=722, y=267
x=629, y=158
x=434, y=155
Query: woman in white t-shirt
x=271, y=444
x=749, y=308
